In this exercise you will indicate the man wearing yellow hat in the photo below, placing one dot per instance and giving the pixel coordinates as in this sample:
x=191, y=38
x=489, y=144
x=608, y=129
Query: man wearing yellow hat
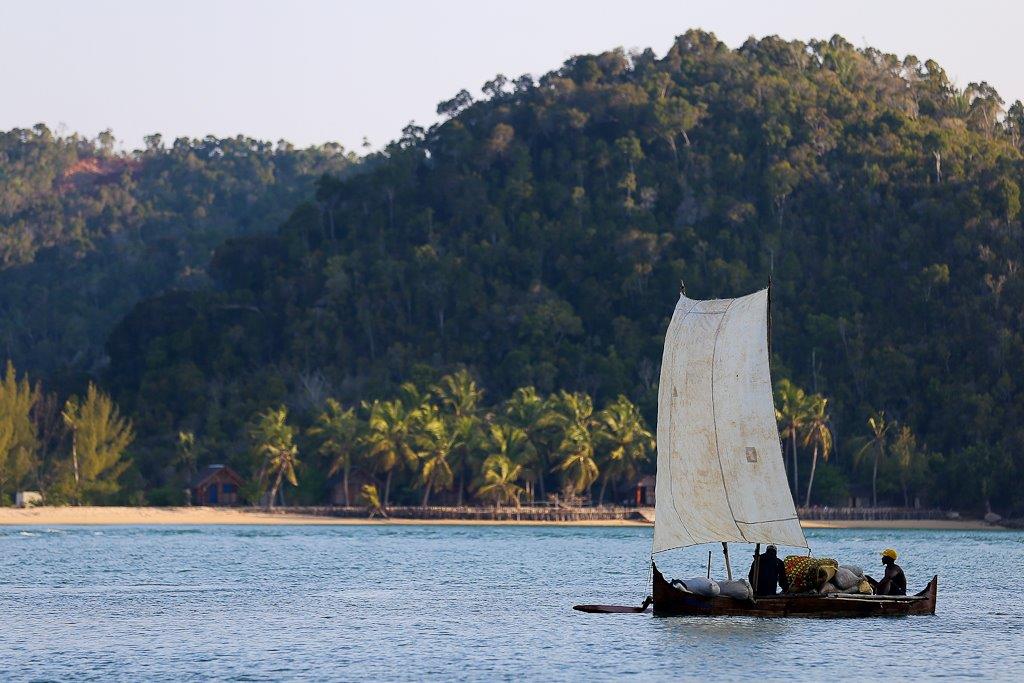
x=895, y=581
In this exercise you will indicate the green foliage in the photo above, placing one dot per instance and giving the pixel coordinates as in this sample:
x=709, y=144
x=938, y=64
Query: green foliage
x=623, y=441
x=499, y=481
x=188, y=454
x=458, y=394
x=817, y=434
x=86, y=232
x=975, y=475
x=99, y=438
x=18, y=440
x=390, y=436
x=792, y=411
x=459, y=397
x=169, y=495
x=572, y=414
x=337, y=430
x=437, y=438
x=912, y=463
x=537, y=237
x=874, y=449
x=443, y=441
x=273, y=440
x=526, y=411
x=369, y=497
x=512, y=442
x=831, y=486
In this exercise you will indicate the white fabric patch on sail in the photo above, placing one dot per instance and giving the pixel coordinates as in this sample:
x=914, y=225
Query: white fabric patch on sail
x=720, y=470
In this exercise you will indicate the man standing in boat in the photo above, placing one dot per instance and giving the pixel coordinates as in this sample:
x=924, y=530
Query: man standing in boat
x=767, y=572
x=895, y=581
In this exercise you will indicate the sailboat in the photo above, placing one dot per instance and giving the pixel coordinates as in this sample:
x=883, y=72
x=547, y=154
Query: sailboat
x=721, y=477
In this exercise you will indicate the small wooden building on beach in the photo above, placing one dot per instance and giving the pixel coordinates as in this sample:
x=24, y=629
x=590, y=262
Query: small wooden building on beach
x=643, y=494
x=216, y=485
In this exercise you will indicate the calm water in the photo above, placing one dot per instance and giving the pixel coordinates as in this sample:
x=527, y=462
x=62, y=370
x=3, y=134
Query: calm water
x=361, y=602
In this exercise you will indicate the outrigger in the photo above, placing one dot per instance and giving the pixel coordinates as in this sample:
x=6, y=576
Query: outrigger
x=721, y=476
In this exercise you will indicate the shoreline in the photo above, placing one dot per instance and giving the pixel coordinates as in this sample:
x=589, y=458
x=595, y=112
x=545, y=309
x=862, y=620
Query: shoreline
x=207, y=516
x=918, y=524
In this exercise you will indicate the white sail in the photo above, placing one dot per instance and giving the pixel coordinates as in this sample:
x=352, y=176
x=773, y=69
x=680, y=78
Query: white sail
x=720, y=471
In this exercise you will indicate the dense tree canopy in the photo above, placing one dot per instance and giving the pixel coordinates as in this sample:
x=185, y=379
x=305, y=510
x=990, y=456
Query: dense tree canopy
x=539, y=236
x=86, y=231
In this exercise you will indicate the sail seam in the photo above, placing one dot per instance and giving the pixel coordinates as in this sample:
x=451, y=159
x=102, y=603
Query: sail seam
x=714, y=419
x=767, y=521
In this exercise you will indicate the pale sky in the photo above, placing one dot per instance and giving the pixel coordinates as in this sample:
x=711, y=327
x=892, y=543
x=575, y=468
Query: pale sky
x=312, y=71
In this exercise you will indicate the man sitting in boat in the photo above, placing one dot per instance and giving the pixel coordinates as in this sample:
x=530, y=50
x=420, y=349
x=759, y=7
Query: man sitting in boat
x=767, y=573
x=895, y=581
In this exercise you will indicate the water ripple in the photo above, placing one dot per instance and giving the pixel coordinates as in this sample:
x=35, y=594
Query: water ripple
x=464, y=603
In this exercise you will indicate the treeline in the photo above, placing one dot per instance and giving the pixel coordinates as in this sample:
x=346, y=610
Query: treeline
x=886, y=447
x=538, y=235
x=444, y=441
x=440, y=442
x=86, y=231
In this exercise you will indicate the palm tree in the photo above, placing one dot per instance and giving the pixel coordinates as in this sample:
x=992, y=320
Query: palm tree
x=624, y=439
x=510, y=441
x=573, y=416
x=435, y=440
x=526, y=410
x=499, y=480
x=187, y=455
x=908, y=457
x=337, y=428
x=412, y=398
x=458, y=393
x=470, y=443
x=876, y=443
x=371, y=498
x=791, y=413
x=818, y=434
x=460, y=397
x=274, y=439
x=388, y=440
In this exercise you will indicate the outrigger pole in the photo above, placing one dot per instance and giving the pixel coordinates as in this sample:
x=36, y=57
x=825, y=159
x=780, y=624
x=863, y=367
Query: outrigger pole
x=728, y=567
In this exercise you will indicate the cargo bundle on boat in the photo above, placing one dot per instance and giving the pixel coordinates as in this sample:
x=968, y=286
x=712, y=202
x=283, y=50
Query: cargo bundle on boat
x=721, y=477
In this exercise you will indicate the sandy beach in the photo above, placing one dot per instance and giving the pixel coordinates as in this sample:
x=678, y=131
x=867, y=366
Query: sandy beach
x=86, y=515
x=188, y=516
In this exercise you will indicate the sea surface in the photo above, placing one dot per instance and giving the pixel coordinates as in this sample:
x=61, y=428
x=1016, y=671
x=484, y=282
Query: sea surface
x=468, y=603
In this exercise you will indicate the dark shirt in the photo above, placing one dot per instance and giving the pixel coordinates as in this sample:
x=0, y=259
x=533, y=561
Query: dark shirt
x=771, y=574
x=894, y=582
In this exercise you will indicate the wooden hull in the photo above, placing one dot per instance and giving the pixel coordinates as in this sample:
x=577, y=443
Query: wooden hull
x=672, y=601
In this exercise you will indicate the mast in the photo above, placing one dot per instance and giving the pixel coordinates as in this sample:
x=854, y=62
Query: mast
x=757, y=566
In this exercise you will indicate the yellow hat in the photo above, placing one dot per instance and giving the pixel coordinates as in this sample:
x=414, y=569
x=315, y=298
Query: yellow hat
x=889, y=552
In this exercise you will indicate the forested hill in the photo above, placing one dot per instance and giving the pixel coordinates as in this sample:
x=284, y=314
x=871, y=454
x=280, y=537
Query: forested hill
x=539, y=236
x=86, y=231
